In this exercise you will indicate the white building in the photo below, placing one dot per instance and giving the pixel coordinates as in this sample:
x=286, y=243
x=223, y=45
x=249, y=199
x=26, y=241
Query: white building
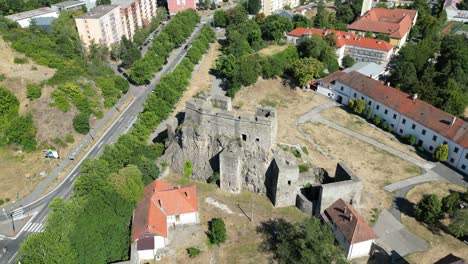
x=42, y=17
x=68, y=6
x=453, y=13
x=163, y=206
x=361, y=49
x=352, y=233
x=270, y=6
x=406, y=114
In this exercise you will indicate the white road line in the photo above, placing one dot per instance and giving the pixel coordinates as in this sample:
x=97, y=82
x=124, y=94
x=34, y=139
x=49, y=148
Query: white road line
x=27, y=226
x=11, y=259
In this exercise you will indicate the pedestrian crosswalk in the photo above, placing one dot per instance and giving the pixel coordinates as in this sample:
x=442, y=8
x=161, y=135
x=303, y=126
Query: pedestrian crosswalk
x=34, y=227
x=18, y=214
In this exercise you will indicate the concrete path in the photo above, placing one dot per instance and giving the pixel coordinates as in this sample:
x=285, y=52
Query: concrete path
x=426, y=177
x=394, y=236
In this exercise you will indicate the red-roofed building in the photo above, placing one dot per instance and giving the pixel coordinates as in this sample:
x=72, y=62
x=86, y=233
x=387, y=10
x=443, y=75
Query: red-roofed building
x=162, y=206
x=360, y=48
x=406, y=114
x=350, y=230
x=175, y=6
x=396, y=23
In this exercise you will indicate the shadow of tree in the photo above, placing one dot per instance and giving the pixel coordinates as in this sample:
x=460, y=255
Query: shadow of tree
x=271, y=231
x=404, y=206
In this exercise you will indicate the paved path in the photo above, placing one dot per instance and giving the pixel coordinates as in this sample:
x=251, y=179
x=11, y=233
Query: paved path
x=314, y=115
x=426, y=177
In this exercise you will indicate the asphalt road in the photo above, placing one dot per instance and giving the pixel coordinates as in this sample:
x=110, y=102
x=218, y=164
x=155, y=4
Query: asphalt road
x=123, y=124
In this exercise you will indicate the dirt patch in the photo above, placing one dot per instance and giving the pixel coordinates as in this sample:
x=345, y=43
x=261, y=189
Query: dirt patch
x=201, y=79
x=290, y=104
x=242, y=245
x=272, y=50
x=375, y=167
x=440, y=243
x=352, y=122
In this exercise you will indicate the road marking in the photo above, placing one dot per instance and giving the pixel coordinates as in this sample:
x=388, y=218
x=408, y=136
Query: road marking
x=34, y=227
x=100, y=144
x=11, y=259
x=18, y=214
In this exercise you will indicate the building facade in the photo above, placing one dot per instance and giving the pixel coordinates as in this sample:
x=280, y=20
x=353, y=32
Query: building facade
x=136, y=14
x=453, y=13
x=175, y=6
x=351, y=231
x=396, y=23
x=68, y=6
x=270, y=6
x=359, y=48
x=102, y=25
x=42, y=17
x=406, y=114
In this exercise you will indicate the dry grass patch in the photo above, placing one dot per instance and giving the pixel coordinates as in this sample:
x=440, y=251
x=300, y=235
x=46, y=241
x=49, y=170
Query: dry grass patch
x=375, y=167
x=355, y=123
x=201, y=79
x=272, y=50
x=290, y=104
x=441, y=189
x=242, y=244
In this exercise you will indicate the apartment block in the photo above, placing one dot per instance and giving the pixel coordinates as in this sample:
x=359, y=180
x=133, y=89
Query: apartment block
x=406, y=114
x=136, y=14
x=359, y=48
x=103, y=24
x=176, y=6
x=270, y=6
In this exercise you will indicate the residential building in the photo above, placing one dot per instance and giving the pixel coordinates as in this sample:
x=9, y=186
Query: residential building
x=42, y=17
x=68, y=6
x=136, y=14
x=270, y=6
x=103, y=24
x=175, y=6
x=90, y=4
x=353, y=234
x=453, y=13
x=162, y=207
x=396, y=23
x=359, y=48
x=406, y=114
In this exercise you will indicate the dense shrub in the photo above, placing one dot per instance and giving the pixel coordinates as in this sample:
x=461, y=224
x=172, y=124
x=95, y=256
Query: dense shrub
x=411, y=140
x=22, y=60
x=216, y=231
x=81, y=123
x=441, y=152
x=429, y=209
x=193, y=251
x=34, y=91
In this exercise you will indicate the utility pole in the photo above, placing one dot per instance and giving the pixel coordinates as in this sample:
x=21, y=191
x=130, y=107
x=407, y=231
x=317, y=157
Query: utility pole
x=12, y=222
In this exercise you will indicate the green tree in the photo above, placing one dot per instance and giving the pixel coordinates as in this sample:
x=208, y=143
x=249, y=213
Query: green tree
x=459, y=224
x=429, y=209
x=81, y=123
x=411, y=139
x=359, y=106
x=21, y=131
x=309, y=241
x=8, y=102
x=193, y=251
x=376, y=120
x=253, y=6
x=441, y=152
x=301, y=21
x=188, y=168
x=306, y=69
x=275, y=26
x=220, y=19
x=129, y=53
x=351, y=103
x=383, y=37
x=217, y=231
x=238, y=44
x=237, y=15
x=450, y=202
x=128, y=183
x=348, y=61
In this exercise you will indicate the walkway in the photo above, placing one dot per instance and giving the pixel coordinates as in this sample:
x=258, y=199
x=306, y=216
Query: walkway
x=426, y=177
x=314, y=115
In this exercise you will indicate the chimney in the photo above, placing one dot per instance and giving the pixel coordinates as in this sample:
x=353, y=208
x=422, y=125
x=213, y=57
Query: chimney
x=347, y=36
x=453, y=120
x=351, y=217
x=379, y=41
x=415, y=96
x=186, y=194
x=160, y=203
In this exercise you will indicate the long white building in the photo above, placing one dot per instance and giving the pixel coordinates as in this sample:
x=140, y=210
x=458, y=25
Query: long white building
x=406, y=114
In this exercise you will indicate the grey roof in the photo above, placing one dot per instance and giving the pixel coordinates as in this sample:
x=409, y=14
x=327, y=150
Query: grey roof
x=123, y=3
x=31, y=13
x=369, y=69
x=99, y=11
x=70, y=3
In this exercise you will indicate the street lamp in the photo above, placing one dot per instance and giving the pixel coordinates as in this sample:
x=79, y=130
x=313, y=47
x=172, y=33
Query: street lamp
x=12, y=222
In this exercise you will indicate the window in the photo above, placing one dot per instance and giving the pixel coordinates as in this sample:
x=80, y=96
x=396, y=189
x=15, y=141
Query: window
x=434, y=138
x=394, y=116
x=413, y=126
x=463, y=167
x=420, y=142
x=401, y=131
x=386, y=111
x=466, y=156
x=244, y=137
x=452, y=160
x=341, y=88
x=377, y=107
x=392, y=125
x=455, y=150
x=354, y=95
x=404, y=121
x=424, y=131
x=431, y=148
x=257, y=139
x=177, y=218
x=445, y=142
x=369, y=103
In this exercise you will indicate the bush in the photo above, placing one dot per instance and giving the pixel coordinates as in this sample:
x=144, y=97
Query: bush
x=376, y=120
x=303, y=168
x=33, y=91
x=348, y=61
x=188, y=168
x=369, y=113
x=296, y=153
x=305, y=150
x=81, y=123
x=193, y=251
x=19, y=60
x=213, y=179
x=2, y=201
x=384, y=125
x=216, y=231
x=429, y=209
x=359, y=106
x=389, y=129
x=450, y=203
x=411, y=140
x=441, y=152
x=421, y=149
x=351, y=103
x=459, y=224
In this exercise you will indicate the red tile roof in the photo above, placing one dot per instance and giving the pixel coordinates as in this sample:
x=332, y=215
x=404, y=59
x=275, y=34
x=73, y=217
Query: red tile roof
x=349, y=222
x=394, y=22
x=344, y=38
x=419, y=111
x=159, y=201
